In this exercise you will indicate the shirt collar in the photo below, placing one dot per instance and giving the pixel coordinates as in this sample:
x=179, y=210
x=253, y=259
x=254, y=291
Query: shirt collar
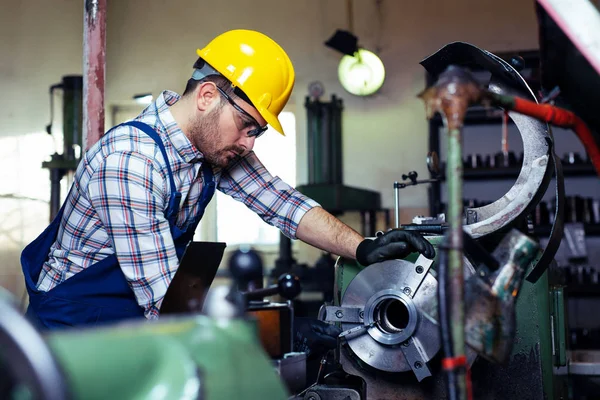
x=180, y=142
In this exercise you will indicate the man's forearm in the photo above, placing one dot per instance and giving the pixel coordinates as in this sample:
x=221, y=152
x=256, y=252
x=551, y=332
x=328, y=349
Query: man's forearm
x=324, y=231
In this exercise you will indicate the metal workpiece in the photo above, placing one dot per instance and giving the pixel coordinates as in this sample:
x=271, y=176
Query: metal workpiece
x=491, y=321
x=398, y=329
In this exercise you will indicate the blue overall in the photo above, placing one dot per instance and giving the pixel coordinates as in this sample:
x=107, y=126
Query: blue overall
x=100, y=293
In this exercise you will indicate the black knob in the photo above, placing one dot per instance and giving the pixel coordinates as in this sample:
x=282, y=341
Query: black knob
x=288, y=286
x=517, y=63
x=245, y=266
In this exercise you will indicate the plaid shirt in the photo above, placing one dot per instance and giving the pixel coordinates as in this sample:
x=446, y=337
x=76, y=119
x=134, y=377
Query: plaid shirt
x=120, y=194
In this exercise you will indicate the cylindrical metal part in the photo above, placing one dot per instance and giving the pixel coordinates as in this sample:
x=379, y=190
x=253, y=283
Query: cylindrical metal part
x=314, y=123
x=454, y=174
x=325, y=142
x=397, y=204
x=337, y=173
x=55, y=177
x=72, y=114
x=285, y=261
x=94, y=62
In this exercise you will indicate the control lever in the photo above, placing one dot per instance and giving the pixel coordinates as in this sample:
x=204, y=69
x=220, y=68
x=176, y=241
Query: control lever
x=246, y=268
x=288, y=286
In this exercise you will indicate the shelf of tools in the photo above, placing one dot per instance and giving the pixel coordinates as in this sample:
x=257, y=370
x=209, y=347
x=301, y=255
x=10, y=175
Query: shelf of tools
x=494, y=153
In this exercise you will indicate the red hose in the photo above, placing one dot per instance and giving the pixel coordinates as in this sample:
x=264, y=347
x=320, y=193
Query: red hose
x=563, y=118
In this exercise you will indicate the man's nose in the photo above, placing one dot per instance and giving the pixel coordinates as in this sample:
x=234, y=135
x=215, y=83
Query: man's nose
x=247, y=142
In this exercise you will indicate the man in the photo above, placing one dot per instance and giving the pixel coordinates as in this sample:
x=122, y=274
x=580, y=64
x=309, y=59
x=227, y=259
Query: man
x=139, y=193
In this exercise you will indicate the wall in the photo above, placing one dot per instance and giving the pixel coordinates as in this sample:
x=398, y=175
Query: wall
x=151, y=46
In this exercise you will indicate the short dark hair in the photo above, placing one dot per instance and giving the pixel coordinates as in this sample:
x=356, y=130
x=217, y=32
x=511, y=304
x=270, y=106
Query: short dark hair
x=220, y=81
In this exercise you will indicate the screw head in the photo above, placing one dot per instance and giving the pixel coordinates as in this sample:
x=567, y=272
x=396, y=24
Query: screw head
x=406, y=290
x=361, y=314
x=405, y=344
x=339, y=314
x=418, y=364
x=420, y=269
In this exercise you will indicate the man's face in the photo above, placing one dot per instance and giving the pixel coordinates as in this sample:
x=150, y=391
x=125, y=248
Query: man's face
x=221, y=133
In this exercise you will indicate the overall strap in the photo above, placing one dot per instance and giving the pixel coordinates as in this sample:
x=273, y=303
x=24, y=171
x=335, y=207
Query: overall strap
x=175, y=197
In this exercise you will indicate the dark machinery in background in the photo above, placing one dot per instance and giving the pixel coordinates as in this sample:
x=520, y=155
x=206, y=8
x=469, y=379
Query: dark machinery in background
x=391, y=343
x=72, y=113
x=325, y=185
x=511, y=314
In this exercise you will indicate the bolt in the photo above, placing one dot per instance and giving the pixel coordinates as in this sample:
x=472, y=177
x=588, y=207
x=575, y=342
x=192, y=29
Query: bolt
x=418, y=364
x=406, y=344
x=361, y=314
x=420, y=269
x=339, y=314
x=406, y=290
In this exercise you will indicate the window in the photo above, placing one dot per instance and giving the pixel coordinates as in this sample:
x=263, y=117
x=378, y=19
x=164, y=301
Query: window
x=24, y=198
x=236, y=224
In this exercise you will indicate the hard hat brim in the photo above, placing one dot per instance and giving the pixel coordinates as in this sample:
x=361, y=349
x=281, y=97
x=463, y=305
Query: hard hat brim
x=271, y=120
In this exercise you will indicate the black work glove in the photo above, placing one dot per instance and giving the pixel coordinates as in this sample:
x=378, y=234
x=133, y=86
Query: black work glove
x=392, y=244
x=314, y=337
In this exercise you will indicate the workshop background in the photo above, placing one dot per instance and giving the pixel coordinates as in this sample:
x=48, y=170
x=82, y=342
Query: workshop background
x=151, y=47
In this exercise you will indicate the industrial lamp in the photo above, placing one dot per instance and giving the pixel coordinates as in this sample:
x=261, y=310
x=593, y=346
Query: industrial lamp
x=361, y=71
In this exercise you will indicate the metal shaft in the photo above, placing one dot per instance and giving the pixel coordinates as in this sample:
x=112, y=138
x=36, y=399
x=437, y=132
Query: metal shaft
x=94, y=62
x=397, y=204
x=454, y=173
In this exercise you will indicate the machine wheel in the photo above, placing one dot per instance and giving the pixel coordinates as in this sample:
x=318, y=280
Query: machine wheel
x=27, y=366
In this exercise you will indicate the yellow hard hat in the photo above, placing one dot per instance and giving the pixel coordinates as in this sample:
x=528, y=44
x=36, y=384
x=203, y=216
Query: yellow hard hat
x=258, y=66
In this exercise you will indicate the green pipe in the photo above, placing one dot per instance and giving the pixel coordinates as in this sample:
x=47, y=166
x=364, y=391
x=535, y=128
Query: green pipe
x=454, y=174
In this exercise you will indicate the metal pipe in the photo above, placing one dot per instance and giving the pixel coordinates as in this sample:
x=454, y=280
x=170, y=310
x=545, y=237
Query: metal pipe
x=94, y=62
x=397, y=203
x=55, y=177
x=454, y=91
x=454, y=174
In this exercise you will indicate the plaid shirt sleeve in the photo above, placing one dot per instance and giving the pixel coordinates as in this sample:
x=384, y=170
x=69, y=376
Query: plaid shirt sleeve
x=276, y=202
x=128, y=194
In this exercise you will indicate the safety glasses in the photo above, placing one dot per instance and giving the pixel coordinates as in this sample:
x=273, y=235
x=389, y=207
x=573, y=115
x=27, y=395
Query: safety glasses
x=255, y=132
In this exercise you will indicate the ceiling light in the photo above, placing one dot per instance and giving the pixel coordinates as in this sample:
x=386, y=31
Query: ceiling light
x=361, y=74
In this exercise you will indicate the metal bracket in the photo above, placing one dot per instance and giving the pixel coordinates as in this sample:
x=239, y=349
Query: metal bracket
x=415, y=357
x=343, y=314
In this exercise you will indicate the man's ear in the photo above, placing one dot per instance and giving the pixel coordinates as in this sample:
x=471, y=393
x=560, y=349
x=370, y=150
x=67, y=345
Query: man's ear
x=206, y=95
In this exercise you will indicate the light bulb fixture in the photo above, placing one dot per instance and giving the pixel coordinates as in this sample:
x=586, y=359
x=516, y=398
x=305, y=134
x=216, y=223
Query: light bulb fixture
x=361, y=74
x=361, y=71
x=145, y=98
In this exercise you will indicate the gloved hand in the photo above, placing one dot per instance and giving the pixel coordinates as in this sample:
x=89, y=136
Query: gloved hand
x=314, y=337
x=396, y=243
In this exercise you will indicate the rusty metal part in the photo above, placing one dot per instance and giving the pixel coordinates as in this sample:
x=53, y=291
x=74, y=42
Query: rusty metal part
x=94, y=64
x=451, y=96
x=491, y=321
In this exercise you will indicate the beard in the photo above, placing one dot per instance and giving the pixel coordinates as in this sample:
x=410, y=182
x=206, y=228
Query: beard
x=207, y=139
